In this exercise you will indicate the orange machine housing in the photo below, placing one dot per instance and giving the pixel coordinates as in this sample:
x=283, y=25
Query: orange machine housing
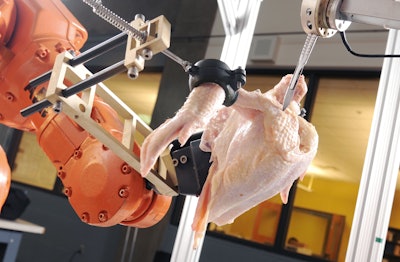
x=102, y=189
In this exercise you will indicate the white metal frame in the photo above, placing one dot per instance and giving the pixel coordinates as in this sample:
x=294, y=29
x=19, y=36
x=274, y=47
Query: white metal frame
x=239, y=19
x=378, y=181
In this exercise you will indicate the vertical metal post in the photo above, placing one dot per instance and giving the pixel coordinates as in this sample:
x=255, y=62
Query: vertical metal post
x=378, y=181
x=239, y=34
x=183, y=246
x=239, y=18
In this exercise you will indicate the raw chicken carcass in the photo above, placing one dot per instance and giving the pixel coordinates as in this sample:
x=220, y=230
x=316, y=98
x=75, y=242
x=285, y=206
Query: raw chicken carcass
x=257, y=150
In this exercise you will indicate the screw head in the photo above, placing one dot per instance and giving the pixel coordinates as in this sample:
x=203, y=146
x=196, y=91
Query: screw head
x=77, y=154
x=103, y=216
x=140, y=16
x=147, y=54
x=126, y=169
x=123, y=192
x=10, y=97
x=68, y=191
x=183, y=159
x=61, y=174
x=133, y=72
x=85, y=217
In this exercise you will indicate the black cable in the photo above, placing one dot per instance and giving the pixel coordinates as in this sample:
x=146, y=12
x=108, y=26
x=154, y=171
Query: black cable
x=346, y=44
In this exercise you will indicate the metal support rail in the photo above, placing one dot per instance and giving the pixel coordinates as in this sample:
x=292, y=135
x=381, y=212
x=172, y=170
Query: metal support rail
x=74, y=89
x=83, y=57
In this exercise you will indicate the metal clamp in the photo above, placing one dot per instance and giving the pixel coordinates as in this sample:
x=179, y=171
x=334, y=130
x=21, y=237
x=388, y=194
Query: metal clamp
x=138, y=50
x=321, y=17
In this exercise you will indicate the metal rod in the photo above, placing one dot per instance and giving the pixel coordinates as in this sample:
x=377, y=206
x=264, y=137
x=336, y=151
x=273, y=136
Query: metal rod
x=125, y=248
x=38, y=80
x=99, y=49
x=133, y=244
x=83, y=57
x=94, y=79
x=303, y=59
x=381, y=165
x=30, y=110
x=115, y=20
x=124, y=26
x=86, y=83
x=185, y=64
x=249, y=9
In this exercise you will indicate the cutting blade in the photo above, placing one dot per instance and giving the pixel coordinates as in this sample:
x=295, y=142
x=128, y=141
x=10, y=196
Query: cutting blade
x=304, y=56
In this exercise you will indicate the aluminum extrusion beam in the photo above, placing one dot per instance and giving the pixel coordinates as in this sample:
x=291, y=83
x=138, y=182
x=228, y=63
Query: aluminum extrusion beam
x=380, y=171
x=239, y=18
x=384, y=13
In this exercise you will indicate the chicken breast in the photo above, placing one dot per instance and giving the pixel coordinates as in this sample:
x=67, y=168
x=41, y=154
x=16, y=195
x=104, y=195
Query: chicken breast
x=257, y=150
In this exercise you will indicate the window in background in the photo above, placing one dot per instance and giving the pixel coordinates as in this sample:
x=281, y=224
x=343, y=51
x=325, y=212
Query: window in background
x=259, y=224
x=31, y=166
x=326, y=199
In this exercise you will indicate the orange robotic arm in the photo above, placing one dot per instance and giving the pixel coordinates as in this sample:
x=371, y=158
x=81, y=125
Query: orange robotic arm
x=102, y=189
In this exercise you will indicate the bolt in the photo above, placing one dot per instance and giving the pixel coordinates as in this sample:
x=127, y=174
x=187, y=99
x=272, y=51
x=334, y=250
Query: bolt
x=103, y=216
x=133, y=72
x=68, y=191
x=42, y=53
x=186, y=66
x=85, y=217
x=57, y=107
x=147, y=54
x=77, y=154
x=309, y=25
x=126, y=169
x=123, y=192
x=140, y=16
x=183, y=159
x=10, y=97
x=61, y=174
